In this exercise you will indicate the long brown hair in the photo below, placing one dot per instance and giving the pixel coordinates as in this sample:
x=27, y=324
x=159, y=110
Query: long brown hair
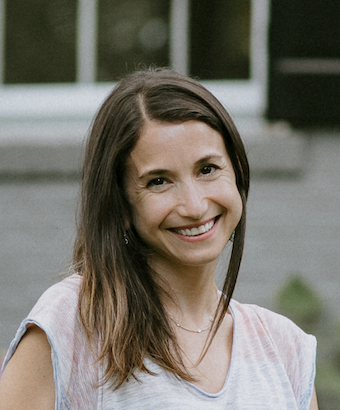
x=120, y=301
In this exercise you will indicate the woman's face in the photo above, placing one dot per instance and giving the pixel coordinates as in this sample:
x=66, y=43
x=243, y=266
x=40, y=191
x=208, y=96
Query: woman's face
x=181, y=185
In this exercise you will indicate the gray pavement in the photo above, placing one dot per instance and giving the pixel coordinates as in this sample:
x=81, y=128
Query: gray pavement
x=293, y=226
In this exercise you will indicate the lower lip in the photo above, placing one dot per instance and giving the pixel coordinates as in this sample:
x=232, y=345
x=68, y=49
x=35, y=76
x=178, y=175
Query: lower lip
x=198, y=238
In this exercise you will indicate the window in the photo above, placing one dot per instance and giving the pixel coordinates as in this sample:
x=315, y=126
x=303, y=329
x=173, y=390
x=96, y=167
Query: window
x=77, y=42
x=220, y=39
x=40, y=41
x=130, y=33
x=43, y=38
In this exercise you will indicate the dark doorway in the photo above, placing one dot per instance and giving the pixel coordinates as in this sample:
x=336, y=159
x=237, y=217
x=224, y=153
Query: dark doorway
x=304, y=72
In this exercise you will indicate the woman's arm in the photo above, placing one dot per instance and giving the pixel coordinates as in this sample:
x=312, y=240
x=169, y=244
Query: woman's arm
x=28, y=382
x=314, y=402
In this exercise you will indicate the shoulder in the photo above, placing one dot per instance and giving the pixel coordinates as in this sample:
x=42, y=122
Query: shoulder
x=28, y=379
x=65, y=291
x=56, y=314
x=277, y=338
x=284, y=333
x=57, y=307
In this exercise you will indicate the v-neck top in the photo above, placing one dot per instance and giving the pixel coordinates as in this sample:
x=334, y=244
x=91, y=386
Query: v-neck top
x=272, y=363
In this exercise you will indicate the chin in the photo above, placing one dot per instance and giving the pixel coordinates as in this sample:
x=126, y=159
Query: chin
x=199, y=260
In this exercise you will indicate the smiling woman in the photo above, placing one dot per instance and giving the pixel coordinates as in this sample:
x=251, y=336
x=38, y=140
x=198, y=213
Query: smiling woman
x=182, y=196
x=140, y=323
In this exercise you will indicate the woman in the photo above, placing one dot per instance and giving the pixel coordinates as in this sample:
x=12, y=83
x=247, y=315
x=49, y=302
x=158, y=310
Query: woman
x=141, y=324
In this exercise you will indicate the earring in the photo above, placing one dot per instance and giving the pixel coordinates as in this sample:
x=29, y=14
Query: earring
x=126, y=240
x=231, y=239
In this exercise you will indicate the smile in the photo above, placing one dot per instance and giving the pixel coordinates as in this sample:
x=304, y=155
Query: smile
x=197, y=230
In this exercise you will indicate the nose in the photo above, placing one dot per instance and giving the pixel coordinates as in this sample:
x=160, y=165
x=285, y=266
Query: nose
x=192, y=202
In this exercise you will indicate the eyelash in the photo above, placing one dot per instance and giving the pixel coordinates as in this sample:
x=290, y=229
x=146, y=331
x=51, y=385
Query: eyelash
x=155, y=182
x=212, y=167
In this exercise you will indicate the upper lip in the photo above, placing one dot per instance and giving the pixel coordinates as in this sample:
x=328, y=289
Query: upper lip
x=196, y=225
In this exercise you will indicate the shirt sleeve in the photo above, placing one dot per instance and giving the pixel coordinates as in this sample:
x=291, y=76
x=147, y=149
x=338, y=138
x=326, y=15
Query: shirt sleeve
x=297, y=351
x=75, y=372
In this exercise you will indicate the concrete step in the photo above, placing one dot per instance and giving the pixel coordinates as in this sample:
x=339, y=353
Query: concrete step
x=48, y=147
x=273, y=148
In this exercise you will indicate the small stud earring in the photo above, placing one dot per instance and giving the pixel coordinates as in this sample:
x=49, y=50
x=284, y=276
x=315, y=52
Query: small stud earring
x=231, y=239
x=126, y=239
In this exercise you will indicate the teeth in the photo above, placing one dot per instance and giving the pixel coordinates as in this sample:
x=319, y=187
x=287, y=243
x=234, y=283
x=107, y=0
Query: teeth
x=201, y=229
x=196, y=231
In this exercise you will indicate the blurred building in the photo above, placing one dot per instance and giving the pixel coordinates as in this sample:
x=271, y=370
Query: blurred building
x=264, y=59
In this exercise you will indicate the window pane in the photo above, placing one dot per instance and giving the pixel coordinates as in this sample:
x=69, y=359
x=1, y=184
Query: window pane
x=131, y=33
x=219, y=35
x=40, y=41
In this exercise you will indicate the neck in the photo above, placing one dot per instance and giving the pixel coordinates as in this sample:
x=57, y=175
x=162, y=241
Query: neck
x=193, y=293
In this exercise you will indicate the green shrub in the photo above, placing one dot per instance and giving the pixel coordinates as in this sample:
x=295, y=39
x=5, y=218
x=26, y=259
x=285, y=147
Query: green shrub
x=298, y=301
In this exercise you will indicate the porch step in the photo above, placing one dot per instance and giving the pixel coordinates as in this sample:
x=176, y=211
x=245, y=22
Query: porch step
x=56, y=147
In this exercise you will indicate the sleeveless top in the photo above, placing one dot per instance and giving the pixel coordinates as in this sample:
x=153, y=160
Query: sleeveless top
x=272, y=364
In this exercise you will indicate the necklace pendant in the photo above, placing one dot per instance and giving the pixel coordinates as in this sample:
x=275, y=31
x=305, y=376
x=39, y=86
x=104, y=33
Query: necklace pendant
x=199, y=330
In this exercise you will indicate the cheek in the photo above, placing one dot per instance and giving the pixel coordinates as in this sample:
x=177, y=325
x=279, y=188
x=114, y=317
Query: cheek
x=233, y=203
x=239, y=206
x=150, y=213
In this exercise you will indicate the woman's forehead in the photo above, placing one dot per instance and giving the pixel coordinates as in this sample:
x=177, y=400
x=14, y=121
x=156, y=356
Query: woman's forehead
x=163, y=144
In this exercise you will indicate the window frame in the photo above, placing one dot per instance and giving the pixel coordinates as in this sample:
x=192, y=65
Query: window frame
x=76, y=103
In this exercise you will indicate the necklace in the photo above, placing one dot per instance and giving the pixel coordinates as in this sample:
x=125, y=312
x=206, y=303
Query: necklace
x=211, y=319
x=199, y=330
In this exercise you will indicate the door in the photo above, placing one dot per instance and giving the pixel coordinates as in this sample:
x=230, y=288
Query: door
x=304, y=70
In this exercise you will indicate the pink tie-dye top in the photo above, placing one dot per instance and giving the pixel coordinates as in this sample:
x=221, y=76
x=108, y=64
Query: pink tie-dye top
x=272, y=365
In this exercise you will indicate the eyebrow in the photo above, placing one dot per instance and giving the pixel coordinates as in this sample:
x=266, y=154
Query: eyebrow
x=212, y=157
x=153, y=172
x=161, y=171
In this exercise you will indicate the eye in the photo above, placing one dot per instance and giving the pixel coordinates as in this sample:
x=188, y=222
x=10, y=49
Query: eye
x=208, y=169
x=157, y=182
